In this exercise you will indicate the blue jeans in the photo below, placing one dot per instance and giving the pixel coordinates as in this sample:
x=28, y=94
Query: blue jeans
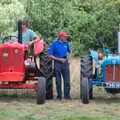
x=62, y=69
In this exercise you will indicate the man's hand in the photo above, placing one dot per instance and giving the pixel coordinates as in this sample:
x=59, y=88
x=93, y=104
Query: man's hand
x=69, y=61
x=57, y=59
x=62, y=60
x=30, y=43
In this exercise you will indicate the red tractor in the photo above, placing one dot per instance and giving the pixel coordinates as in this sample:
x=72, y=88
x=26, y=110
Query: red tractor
x=20, y=71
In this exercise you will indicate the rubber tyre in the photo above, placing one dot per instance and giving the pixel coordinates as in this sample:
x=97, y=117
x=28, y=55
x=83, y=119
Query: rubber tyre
x=49, y=89
x=90, y=89
x=86, y=66
x=41, y=90
x=86, y=69
x=85, y=91
x=91, y=93
x=44, y=68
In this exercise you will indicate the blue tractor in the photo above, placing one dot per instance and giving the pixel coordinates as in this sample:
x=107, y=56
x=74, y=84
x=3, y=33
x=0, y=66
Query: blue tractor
x=98, y=71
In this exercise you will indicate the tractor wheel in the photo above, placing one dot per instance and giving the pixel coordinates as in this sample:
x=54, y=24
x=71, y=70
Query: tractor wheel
x=85, y=90
x=86, y=66
x=49, y=89
x=46, y=70
x=41, y=90
x=91, y=92
x=86, y=69
x=90, y=89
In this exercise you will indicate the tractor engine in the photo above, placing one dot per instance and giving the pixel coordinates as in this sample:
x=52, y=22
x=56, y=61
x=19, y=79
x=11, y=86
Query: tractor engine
x=111, y=74
x=12, y=62
x=30, y=66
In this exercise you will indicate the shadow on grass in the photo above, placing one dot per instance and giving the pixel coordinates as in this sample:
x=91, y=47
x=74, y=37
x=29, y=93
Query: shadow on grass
x=107, y=100
x=12, y=98
x=32, y=99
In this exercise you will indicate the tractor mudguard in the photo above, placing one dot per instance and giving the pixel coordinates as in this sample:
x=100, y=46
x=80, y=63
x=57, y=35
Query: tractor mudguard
x=38, y=46
x=94, y=55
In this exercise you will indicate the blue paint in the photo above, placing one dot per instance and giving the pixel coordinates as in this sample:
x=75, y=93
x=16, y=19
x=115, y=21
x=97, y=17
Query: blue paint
x=109, y=61
x=97, y=83
x=94, y=55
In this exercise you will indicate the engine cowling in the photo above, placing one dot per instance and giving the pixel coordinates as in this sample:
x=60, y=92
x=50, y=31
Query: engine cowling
x=111, y=69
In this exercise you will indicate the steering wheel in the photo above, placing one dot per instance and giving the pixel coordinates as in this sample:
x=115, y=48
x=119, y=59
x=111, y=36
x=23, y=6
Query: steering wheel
x=8, y=38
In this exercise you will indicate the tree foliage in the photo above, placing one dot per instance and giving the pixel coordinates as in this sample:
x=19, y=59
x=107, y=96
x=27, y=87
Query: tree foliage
x=10, y=12
x=87, y=21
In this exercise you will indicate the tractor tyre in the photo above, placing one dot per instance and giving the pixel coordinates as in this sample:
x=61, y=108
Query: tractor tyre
x=41, y=90
x=86, y=69
x=46, y=70
x=85, y=90
x=91, y=93
x=90, y=89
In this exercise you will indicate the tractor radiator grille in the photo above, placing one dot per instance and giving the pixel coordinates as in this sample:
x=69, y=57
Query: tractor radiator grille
x=4, y=58
x=110, y=74
x=18, y=58
x=12, y=60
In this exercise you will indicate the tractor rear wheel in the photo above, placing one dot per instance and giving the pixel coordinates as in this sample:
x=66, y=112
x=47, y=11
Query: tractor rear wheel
x=90, y=89
x=86, y=69
x=46, y=70
x=85, y=90
x=86, y=66
x=44, y=66
x=41, y=90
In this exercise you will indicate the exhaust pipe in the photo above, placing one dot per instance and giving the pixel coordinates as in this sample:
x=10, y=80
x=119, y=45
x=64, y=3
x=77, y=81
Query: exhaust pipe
x=119, y=40
x=20, y=31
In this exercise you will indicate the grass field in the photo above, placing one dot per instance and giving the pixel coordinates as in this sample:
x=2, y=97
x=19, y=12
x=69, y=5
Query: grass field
x=21, y=105
x=26, y=109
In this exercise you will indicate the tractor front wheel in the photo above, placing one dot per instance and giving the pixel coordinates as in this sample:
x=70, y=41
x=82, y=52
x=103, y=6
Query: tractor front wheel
x=41, y=90
x=85, y=90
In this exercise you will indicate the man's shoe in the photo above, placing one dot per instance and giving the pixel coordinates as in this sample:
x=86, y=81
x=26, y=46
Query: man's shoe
x=59, y=98
x=68, y=98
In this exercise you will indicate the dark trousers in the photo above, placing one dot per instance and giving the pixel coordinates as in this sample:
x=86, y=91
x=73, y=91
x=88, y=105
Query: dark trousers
x=62, y=70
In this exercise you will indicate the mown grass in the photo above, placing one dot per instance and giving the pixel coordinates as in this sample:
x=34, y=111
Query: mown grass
x=21, y=105
x=14, y=108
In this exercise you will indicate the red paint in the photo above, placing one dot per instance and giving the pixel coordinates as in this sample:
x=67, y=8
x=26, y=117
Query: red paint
x=38, y=46
x=12, y=67
x=109, y=73
x=11, y=77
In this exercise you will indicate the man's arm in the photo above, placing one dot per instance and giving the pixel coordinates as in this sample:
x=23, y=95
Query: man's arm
x=51, y=52
x=57, y=59
x=31, y=42
x=33, y=37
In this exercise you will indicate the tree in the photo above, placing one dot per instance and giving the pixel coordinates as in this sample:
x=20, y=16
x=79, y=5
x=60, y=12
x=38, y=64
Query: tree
x=87, y=21
x=10, y=12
